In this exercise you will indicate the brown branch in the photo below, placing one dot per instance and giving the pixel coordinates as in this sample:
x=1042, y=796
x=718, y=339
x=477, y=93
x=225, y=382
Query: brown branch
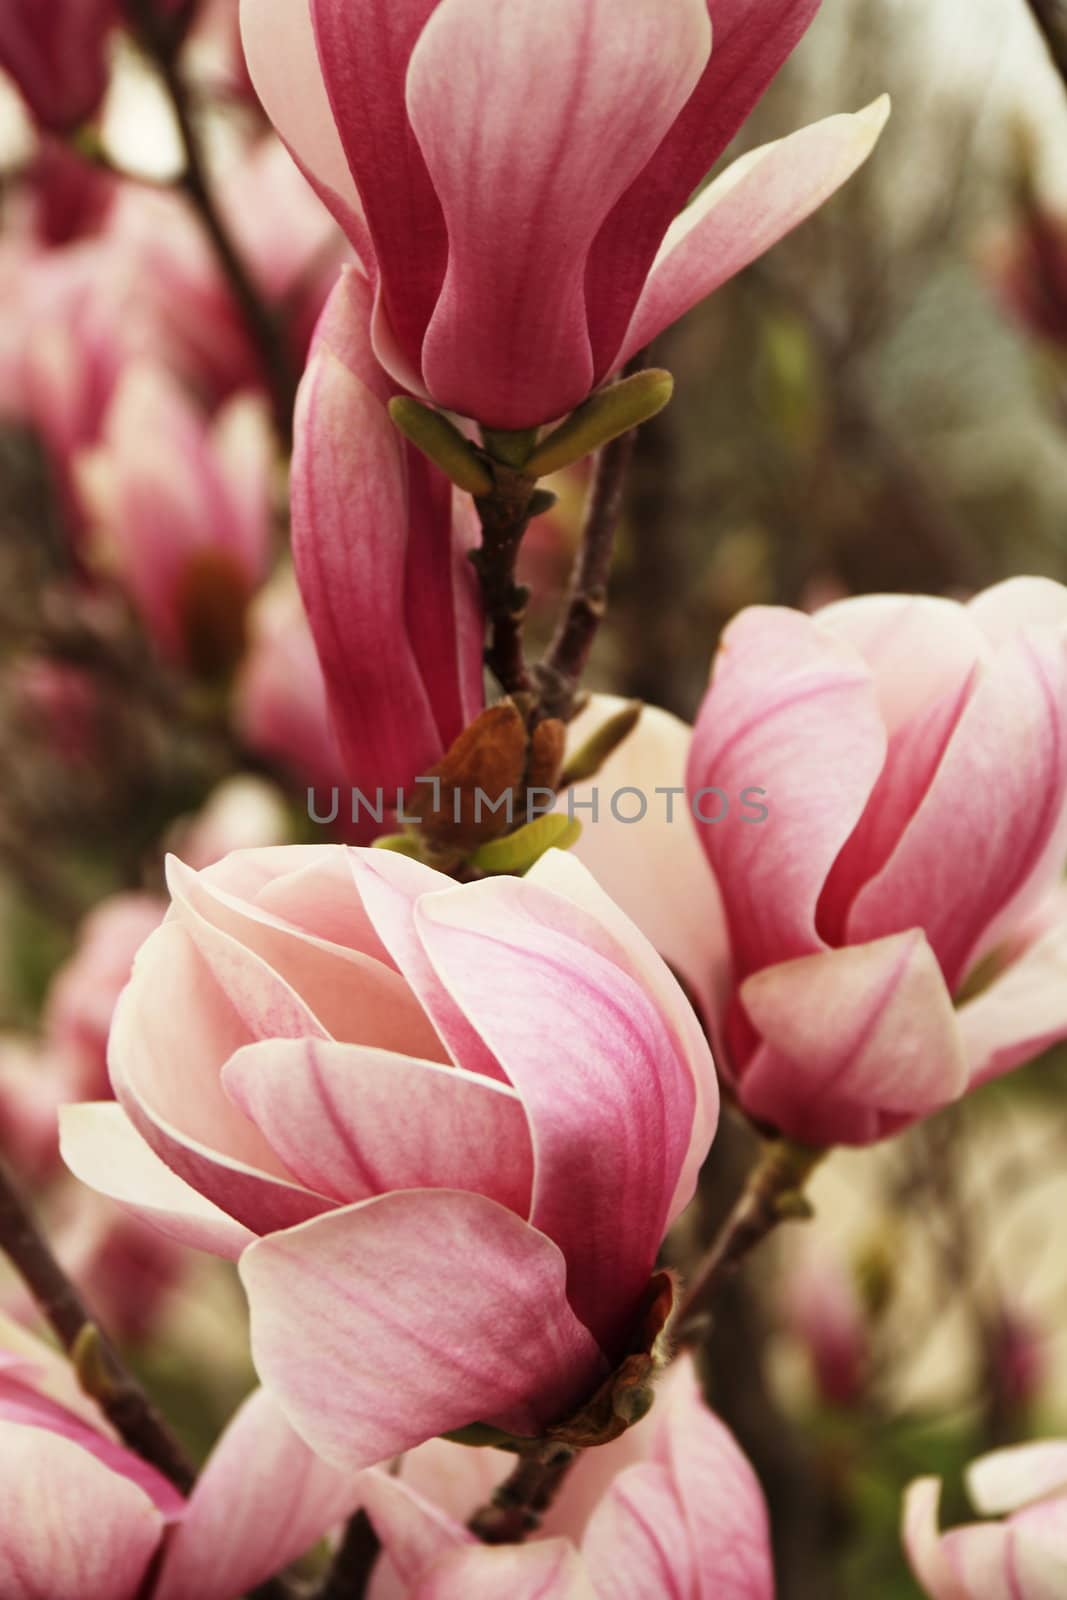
x=99, y=1365
x=773, y=1193
x=559, y=674
x=353, y=1565
x=1051, y=18
x=505, y=515
x=264, y=330
x=518, y=1505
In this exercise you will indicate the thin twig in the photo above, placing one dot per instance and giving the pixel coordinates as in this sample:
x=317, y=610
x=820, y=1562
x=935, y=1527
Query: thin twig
x=559, y=674
x=119, y=1394
x=353, y=1565
x=518, y=1505
x=1051, y=18
x=260, y=321
x=505, y=515
x=773, y=1193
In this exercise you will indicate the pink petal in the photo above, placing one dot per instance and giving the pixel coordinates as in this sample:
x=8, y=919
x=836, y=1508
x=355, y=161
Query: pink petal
x=980, y=1556
x=750, y=41
x=548, y=1570
x=794, y=712
x=1019, y=603
x=262, y=1500
x=852, y=1033
x=101, y=1147
x=414, y=1531
x=1037, y=1554
x=925, y=655
x=508, y=341
x=725, y=1515
x=1021, y=1014
x=352, y=1122
x=71, y=1527
x=279, y=48
x=390, y=887
x=991, y=834
x=762, y=197
x=637, y=1543
x=655, y=869
x=410, y=1315
x=623, y=942
x=162, y=1074
x=596, y=1068
x=1005, y=1480
x=287, y=982
x=364, y=53
x=924, y=1544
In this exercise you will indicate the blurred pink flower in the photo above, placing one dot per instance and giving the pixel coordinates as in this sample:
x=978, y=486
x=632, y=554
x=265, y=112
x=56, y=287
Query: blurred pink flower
x=371, y=1060
x=671, y=1509
x=56, y=51
x=1027, y=267
x=822, y=1307
x=81, y=997
x=280, y=706
x=261, y=1501
x=181, y=507
x=241, y=814
x=509, y=300
x=1024, y=1557
x=894, y=932
x=380, y=543
x=35, y=1079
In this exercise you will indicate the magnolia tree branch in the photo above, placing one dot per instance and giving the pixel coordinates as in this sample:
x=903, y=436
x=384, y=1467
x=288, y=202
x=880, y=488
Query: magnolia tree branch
x=263, y=327
x=98, y=1363
x=559, y=675
x=353, y=1565
x=1051, y=18
x=773, y=1193
x=518, y=1505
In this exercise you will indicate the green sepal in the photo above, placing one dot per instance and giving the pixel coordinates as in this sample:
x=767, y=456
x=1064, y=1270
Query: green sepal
x=602, y=418
x=432, y=433
x=588, y=759
x=517, y=852
x=481, y=1436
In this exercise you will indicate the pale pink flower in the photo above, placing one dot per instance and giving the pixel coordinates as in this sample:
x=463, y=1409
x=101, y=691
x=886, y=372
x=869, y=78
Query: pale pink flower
x=56, y=51
x=181, y=506
x=382, y=1096
x=84, y=1516
x=878, y=944
x=1023, y=1557
x=670, y=1511
x=511, y=177
x=81, y=997
x=380, y=543
x=823, y=1309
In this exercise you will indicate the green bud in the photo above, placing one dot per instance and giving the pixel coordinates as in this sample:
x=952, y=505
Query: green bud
x=517, y=852
x=513, y=449
x=602, y=418
x=588, y=759
x=432, y=433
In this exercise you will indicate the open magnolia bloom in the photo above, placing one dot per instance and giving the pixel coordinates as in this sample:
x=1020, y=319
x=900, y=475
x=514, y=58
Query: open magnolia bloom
x=672, y=1509
x=511, y=175
x=382, y=1091
x=892, y=932
x=1022, y=1558
x=84, y=1516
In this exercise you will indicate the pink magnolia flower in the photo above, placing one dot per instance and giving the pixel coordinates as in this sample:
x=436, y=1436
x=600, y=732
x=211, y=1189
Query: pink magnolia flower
x=894, y=932
x=380, y=543
x=81, y=997
x=1024, y=1557
x=822, y=1308
x=83, y=1516
x=56, y=51
x=511, y=177
x=280, y=707
x=672, y=1510
x=382, y=1098
x=182, y=512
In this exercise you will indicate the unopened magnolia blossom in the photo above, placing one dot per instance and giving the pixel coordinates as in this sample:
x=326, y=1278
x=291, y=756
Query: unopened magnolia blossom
x=670, y=1511
x=511, y=176
x=1023, y=1557
x=894, y=931
x=56, y=51
x=86, y=1517
x=181, y=508
x=382, y=1097
x=380, y=545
